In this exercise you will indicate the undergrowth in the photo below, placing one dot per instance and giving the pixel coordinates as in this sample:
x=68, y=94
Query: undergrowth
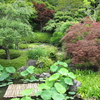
x=90, y=84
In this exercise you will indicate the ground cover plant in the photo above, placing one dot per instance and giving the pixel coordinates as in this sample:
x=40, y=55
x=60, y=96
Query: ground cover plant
x=90, y=84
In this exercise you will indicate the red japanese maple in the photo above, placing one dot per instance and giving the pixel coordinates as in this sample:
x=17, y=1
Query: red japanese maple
x=44, y=14
x=82, y=42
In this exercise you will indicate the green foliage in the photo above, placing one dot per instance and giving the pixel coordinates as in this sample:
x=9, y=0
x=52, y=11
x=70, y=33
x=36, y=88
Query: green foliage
x=91, y=11
x=56, y=86
x=5, y=75
x=28, y=45
x=55, y=39
x=59, y=32
x=71, y=5
x=36, y=53
x=28, y=75
x=65, y=25
x=90, y=84
x=42, y=51
x=16, y=62
x=60, y=56
x=39, y=37
x=46, y=61
x=62, y=21
x=14, y=22
x=51, y=51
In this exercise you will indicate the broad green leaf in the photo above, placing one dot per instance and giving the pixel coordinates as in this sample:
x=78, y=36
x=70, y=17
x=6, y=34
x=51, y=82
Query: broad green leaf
x=62, y=82
x=15, y=99
x=38, y=93
x=61, y=63
x=63, y=71
x=9, y=83
x=30, y=69
x=46, y=95
x=54, y=77
x=72, y=75
x=1, y=67
x=68, y=81
x=71, y=98
x=10, y=69
x=49, y=83
x=26, y=98
x=32, y=78
x=57, y=96
x=24, y=73
x=53, y=68
x=27, y=92
x=71, y=93
x=43, y=86
x=60, y=88
x=3, y=76
x=53, y=90
x=3, y=84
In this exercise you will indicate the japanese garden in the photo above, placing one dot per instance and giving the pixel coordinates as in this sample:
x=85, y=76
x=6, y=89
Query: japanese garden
x=52, y=47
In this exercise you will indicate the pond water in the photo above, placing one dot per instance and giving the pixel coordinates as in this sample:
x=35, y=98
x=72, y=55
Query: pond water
x=2, y=92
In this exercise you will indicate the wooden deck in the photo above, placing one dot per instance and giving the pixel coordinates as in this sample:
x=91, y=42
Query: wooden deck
x=14, y=90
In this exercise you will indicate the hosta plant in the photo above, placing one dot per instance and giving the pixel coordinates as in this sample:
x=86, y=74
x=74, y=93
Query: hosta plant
x=56, y=87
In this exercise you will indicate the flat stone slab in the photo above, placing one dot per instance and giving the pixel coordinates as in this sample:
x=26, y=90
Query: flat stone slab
x=14, y=90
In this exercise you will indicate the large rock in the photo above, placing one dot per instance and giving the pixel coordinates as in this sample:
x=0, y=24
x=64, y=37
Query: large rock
x=22, y=68
x=43, y=75
x=75, y=85
x=31, y=62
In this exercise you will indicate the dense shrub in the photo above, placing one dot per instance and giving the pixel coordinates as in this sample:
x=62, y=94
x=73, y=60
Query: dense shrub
x=36, y=53
x=55, y=39
x=46, y=61
x=60, y=56
x=17, y=62
x=65, y=25
x=42, y=51
x=59, y=19
x=82, y=42
x=59, y=32
x=51, y=50
x=39, y=37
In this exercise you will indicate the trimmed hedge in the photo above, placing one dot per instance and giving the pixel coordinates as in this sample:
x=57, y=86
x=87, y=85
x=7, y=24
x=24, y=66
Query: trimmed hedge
x=17, y=62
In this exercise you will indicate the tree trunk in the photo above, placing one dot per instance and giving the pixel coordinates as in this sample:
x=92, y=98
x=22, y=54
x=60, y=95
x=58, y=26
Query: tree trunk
x=41, y=26
x=6, y=51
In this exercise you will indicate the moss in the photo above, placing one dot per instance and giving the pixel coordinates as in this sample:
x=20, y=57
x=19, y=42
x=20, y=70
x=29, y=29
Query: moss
x=17, y=62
